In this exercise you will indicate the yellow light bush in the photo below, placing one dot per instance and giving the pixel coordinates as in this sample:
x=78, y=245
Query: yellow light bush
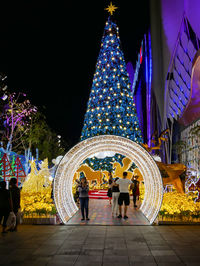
x=37, y=203
x=179, y=205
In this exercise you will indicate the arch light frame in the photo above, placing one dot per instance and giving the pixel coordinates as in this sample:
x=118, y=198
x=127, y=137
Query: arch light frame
x=63, y=195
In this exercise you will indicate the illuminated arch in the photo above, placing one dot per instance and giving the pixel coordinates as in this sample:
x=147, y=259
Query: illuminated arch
x=69, y=164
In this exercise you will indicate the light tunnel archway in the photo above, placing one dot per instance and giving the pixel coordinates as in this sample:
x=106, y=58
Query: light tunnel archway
x=63, y=196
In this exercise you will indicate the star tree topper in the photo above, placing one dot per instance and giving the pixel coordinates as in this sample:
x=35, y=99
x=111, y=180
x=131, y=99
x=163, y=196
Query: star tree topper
x=111, y=8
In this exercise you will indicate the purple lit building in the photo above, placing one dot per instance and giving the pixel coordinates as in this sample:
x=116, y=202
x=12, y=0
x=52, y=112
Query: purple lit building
x=175, y=42
x=141, y=84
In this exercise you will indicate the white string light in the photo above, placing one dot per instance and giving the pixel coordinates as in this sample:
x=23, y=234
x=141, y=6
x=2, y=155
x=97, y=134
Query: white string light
x=63, y=196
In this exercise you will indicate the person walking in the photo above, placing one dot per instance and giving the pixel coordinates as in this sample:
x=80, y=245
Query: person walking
x=83, y=189
x=15, y=199
x=115, y=196
x=124, y=197
x=4, y=205
x=135, y=189
x=110, y=181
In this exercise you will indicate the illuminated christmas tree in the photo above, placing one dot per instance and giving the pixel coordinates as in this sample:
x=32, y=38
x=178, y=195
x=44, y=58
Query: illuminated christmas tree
x=111, y=109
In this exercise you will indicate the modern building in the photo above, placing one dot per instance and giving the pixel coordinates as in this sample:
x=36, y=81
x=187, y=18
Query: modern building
x=175, y=42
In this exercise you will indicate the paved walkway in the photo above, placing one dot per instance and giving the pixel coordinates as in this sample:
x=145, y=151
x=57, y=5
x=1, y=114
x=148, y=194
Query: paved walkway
x=101, y=245
x=100, y=213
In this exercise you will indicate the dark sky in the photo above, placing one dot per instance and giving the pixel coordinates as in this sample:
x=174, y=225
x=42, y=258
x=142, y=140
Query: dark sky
x=49, y=50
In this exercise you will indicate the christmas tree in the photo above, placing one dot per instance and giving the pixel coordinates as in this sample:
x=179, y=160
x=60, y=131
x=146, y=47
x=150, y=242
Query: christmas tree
x=111, y=109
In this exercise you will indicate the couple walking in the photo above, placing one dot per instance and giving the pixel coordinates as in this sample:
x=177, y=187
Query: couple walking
x=120, y=194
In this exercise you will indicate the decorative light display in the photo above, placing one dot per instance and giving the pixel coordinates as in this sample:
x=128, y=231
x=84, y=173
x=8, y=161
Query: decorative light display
x=13, y=169
x=111, y=8
x=195, y=187
x=111, y=109
x=6, y=168
x=36, y=197
x=106, y=163
x=189, y=149
x=63, y=195
x=16, y=117
x=179, y=207
x=19, y=170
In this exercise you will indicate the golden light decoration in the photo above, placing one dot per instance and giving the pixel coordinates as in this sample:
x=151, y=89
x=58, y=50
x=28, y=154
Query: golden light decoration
x=36, y=192
x=143, y=160
x=181, y=207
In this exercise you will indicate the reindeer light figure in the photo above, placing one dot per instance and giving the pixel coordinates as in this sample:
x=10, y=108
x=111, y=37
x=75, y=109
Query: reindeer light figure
x=118, y=169
x=89, y=173
x=161, y=138
x=173, y=170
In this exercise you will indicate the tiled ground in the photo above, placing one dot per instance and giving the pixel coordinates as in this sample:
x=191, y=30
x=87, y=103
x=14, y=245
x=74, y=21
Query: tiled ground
x=100, y=213
x=101, y=245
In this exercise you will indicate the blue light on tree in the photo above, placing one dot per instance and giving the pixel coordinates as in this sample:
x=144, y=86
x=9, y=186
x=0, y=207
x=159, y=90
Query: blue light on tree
x=111, y=109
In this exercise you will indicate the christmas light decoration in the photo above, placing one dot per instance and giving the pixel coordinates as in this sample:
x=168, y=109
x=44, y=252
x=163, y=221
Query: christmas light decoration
x=103, y=161
x=6, y=168
x=111, y=109
x=63, y=195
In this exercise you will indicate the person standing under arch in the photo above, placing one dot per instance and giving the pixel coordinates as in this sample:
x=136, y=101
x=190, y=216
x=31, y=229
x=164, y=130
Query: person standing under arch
x=110, y=181
x=135, y=189
x=115, y=196
x=124, y=196
x=83, y=189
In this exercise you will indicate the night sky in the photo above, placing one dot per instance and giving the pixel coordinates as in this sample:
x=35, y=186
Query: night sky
x=49, y=50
